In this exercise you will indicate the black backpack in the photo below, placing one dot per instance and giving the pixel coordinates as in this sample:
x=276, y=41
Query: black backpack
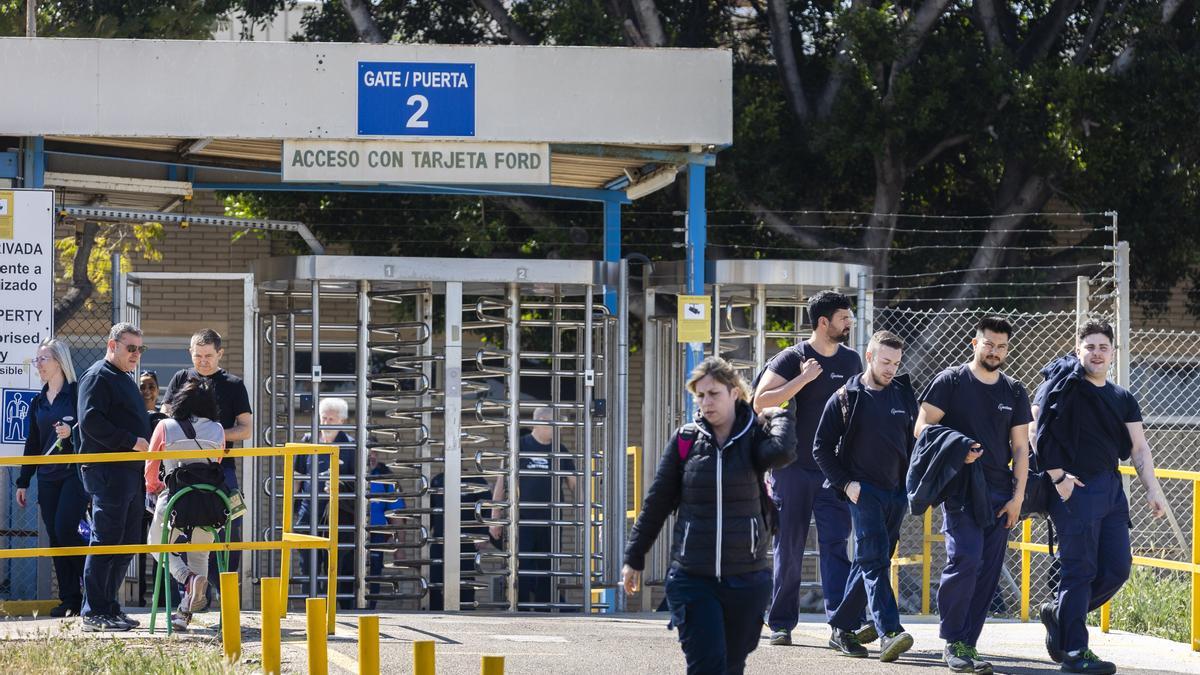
x=199, y=507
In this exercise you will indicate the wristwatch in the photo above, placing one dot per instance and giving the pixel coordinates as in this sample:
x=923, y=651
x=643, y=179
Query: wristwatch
x=1061, y=478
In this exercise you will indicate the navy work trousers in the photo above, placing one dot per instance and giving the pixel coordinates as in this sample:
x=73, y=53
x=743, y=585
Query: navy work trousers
x=63, y=504
x=118, y=497
x=719, y=622
x=1093, y=551
x=877, y=517
x=974, y=559
x=799, y=496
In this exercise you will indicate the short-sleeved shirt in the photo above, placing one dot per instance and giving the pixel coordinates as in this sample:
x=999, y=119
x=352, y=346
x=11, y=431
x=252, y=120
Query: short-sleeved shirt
x=539, y=488
x=809, y=402
x=880, y=458
x=1100, y=442
x=984, y=412
x=232, y=397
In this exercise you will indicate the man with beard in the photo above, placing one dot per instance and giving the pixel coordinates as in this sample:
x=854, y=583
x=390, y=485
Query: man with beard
x=991, y=408
x=807, y=374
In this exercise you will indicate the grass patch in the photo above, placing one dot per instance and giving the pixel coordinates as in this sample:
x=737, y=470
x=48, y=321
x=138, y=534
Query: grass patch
x=1153, y=602
x=69, y=652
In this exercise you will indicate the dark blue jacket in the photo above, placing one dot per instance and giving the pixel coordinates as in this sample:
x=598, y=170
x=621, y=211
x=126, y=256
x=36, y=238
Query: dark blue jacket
x=938, y=458
x=112, y=414
x=1059, y=409
x=41, y=437
x=834, y=434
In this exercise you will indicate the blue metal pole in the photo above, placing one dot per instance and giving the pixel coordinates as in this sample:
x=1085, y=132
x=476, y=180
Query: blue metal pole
x=612, y=247
x=697, y=240
x=35, y=162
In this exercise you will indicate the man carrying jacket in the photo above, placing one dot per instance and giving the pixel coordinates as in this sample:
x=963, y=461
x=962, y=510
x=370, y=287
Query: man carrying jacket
x=862, y=445
x=1086, y=426
x=992, y=409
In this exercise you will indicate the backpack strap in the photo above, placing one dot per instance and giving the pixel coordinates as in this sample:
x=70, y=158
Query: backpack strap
x=688, y=434
x=188, y=429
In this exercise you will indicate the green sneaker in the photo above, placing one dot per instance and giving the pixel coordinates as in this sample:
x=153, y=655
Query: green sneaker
x=892, y=645
x=961, y=657
x=867, y=635
x=1087, y=662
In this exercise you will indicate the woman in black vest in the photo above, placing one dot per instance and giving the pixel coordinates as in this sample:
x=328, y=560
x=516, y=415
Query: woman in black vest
x=61, y=496
x=712, y=471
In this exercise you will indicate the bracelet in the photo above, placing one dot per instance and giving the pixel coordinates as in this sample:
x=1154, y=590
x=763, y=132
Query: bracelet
x=1062, y=478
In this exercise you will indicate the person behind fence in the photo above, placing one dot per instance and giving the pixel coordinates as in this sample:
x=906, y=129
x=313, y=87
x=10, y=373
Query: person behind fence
x=711, y=477
x=863, y=444
x=806, y=374
x=538, y=465
x=1086, y=425
x=148, y=385
x=60, y=495
x=333, y=413
x=991, y=411
x=192, y=425
x=112, y=418
x=207, y=349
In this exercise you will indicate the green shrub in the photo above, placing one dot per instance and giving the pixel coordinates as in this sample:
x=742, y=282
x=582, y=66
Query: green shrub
x=66, y=652
x=1153, y=602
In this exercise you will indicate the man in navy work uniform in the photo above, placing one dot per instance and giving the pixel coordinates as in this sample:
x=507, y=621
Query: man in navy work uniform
x=1086, y=426
x=112, y=418
x=982, y=403
x=807, y=374
x=862, y=445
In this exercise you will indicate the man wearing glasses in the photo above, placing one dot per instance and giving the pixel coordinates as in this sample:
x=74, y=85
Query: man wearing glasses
x=112, y=418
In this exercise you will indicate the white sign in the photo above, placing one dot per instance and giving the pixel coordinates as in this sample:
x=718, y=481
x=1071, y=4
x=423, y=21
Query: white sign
x=26, y=305
x=376, y=162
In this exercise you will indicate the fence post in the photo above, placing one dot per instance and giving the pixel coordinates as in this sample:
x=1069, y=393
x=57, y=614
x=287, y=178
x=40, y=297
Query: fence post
x=1083, y=292
x=1123, y=301
x=1195, y=571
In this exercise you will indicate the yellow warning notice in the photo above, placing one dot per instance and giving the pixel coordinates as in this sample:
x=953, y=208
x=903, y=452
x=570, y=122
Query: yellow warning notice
x=6, y=215
x=695, y=318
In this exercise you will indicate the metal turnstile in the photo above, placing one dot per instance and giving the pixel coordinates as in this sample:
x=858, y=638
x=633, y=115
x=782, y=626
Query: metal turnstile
x=759, y=308
x=444, y=364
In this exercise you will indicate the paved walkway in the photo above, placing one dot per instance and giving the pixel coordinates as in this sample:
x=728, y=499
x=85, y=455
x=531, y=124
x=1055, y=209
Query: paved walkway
x=641, y=643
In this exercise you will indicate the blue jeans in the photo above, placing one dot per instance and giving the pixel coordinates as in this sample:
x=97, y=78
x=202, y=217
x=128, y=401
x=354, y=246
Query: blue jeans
x=719, y=622
x=974, y=559
x=877, y=517
x=118, y=498
x=799, y=496
x=1093, y=550
x=63, y=504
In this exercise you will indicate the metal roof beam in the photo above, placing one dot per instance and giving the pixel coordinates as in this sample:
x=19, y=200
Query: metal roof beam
x=635, y=154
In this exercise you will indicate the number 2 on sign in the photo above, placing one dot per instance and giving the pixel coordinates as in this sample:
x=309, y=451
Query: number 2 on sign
x=415, y=121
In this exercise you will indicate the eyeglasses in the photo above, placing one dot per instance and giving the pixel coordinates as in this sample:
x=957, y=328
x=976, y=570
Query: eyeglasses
x=134, y=349
x=42, y=359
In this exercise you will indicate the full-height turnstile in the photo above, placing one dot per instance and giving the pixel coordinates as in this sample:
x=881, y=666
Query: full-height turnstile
x=443, y=363
x=759, y=308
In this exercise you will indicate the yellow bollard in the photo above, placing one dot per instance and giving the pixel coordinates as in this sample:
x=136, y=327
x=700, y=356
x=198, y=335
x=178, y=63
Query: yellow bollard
x=492, y=665
x=318, y=658
x=368, y=645
x=1105, y=617
x=231, y=617
x=270, y=626
x=424, y=662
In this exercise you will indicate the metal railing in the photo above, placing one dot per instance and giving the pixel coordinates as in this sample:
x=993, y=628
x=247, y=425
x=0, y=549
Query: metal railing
x=289, y=540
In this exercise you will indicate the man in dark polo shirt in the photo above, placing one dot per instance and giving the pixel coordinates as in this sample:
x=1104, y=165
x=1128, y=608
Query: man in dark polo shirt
x=233, y=404
x=112, y=418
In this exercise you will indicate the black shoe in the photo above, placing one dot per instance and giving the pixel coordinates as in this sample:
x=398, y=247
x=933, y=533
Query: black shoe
x=781, y=637
x=892, y=645
x=103, y=624
x=1050, y=621
x=867, y=635
x=847, y=643
x=1087, y=662
x=961, y=657
x=124, y=618
x=64, y=610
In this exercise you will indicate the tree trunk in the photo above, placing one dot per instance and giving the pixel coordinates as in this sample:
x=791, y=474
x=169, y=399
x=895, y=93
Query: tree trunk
x=81, y=286
x=364, y=23
x=889, y=187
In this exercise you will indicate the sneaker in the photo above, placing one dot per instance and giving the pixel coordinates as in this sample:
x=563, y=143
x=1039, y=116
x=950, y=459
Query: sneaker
x=781, y=637
x=180, y=621
x=961, y=657
x=102, y=624
x=64, y=610
x=1050, y=621
x=893, y=644
x=847, y=643
x=194, y=590
x=1087, y=662
x=867, y=635
x=122, y=617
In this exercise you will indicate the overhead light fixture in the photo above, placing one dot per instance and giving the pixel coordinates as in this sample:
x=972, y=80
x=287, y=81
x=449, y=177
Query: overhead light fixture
x=652, y=183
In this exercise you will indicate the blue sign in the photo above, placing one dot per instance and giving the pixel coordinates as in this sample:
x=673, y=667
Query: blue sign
x=14, y=414
x=416, y=99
